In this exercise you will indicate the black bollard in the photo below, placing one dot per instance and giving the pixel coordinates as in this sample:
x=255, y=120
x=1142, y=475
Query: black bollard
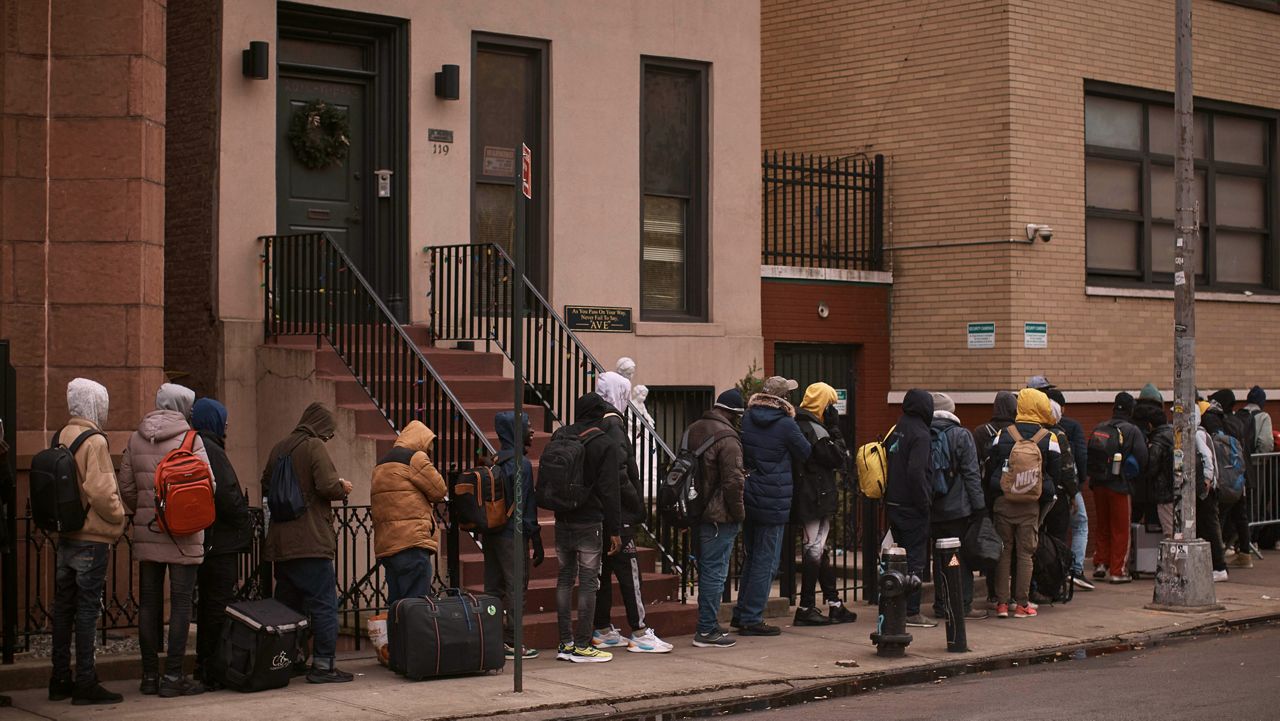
x=896, y=583
x=947, y=583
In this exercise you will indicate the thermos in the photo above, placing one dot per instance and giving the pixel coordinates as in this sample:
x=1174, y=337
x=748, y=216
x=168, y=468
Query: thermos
x=1115, y=464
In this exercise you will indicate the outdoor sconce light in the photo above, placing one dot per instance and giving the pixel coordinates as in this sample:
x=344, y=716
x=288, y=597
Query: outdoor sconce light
x=447, y=82
x=254, y=60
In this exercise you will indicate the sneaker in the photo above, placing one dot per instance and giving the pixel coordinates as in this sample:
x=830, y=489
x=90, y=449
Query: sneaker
x=977, y=614
x=810, y=617
x=1002, y=610
x=759, y=629
x=1219, y=576
x=1099, y=572
x=1241, y=560
x=607, y=638
x=150, y=685
x=841, y=614
x=1082, y=583
x=647, y=641
x=918, y=621
x=1024, y=611
x=94, y=695
x=1118, y=579
x=510, y=652
x=60, y=689
x=716, y=639
x=588, y=654
x=171, y=687
x=735, y=622
x=564, y=652
x=332, y=674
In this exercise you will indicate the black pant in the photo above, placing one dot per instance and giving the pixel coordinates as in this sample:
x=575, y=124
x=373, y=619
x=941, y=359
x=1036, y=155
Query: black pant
x=499, y=578
x=182, y=582
x=217, y=583
x=910, y=530
x=1207, y=528
x=1235, y=525
x=626, y=568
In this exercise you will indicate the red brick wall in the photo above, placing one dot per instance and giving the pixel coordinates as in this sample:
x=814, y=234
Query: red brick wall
x=859, y=316
x=192, y=348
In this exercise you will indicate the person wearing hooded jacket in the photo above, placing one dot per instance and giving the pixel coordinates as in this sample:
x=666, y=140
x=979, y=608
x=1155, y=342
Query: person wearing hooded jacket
x=1263, y=442
x=1235, y=519
x=81, y=563
x=159, y=553
x=963, y=504
x=813, y=506
x=625, y=565
x=1079, y=513
x=908, y=489
x=499, y=551
x=984, y=436
x=1111, y=496
x=1208, y=525
x=303, y=549
x=402, y=495
x=224, y=541
x=771, y=443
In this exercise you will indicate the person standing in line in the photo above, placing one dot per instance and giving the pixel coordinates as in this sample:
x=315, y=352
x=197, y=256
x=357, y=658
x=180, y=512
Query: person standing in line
x=81, y=564
x=771, y=442
x=499, y=553
x=162, y=430
x=984, y=438
x=908, y=490
x=224, y=541
x=724, y=512
x=1208, y=525
x=1117, y=455
x=402, y=497
x=1079, y=512
x=963, y=504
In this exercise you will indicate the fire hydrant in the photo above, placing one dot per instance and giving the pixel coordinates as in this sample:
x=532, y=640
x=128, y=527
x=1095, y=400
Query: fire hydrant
x=896, y=583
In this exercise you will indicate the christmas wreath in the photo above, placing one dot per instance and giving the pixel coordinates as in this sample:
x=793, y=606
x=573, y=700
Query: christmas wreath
x=319, y=134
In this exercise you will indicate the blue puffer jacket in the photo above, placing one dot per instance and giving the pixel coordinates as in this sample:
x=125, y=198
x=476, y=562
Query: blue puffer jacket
x=770, y=439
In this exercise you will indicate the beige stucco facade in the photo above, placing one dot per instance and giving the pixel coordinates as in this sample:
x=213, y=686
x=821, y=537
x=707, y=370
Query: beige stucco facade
x=594, y=176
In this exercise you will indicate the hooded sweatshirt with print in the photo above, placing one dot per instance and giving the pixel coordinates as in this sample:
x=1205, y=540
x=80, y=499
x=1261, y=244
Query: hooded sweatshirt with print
x=159, y=432
x=504, y=424
x=600, y=468
x=1034, y=414
x=908, y=447
x=814, y=497
x=232, y=530
x=87, y=403
x=312, y=535
x=965, y=496
x=771, y=441
x=615, y=389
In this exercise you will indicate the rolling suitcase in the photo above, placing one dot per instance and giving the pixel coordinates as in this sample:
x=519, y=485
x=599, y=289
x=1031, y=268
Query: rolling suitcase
x=1144, y=549
x=453, y=634
x=261, y=641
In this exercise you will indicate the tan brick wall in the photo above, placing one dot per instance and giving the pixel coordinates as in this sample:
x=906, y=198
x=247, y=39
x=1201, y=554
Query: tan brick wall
x=978, y=107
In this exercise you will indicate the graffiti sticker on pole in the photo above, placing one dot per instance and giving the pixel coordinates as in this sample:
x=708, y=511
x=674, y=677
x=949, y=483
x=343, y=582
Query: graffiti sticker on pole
x=526, y=172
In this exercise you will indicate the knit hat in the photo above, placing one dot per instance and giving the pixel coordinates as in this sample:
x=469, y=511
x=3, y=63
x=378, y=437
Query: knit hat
x=1225, y=398
x=1257, y=396
x=730, y=400
x=1123, y=406
x=779, y=386
x=1151, y=393
x=943, y=402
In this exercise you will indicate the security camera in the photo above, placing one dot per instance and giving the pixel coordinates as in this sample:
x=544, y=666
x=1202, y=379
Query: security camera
x=1043, y=231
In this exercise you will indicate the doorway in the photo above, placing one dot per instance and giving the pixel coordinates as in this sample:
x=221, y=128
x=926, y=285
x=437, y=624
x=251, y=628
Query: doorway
x=350, y=72
x=829, y=363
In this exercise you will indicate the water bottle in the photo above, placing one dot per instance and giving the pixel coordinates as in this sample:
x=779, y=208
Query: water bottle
x=1006, y=466
x=1115, y=464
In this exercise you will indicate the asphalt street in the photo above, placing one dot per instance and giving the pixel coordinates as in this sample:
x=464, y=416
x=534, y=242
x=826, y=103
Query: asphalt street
x=1229, y=676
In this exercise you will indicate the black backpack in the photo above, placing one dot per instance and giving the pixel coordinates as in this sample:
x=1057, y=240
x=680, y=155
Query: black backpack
x=1104, y=443
x=561, y=485
x=55, y=486
x=284, y=498
x=683, y=495
x=1051, y=571
x=1249, y=419
x=1158, y=475
x=1069, y=482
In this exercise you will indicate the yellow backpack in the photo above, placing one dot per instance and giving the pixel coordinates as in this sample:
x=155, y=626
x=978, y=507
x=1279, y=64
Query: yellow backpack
x=873, y=467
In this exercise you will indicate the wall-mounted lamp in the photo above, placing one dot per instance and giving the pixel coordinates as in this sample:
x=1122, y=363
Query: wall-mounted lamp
x=255, y=60
x=447, y=82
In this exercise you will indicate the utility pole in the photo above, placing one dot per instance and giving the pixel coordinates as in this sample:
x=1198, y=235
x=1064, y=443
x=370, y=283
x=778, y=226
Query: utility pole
x=1184, y=579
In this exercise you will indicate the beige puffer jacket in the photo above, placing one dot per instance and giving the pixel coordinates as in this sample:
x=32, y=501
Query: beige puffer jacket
x=159, y=432
x=402, y=496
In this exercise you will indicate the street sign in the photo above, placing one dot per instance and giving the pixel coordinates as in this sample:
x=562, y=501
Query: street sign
x=526, y=172
x=1035, y=335
x=982, y=335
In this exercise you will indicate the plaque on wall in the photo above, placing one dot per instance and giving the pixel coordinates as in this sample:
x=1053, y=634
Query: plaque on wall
x=499, y=162
x=596, y=319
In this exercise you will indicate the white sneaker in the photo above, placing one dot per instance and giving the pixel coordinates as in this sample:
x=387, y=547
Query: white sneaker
x=607, y=638
x=1219, y=576
x=648, y=642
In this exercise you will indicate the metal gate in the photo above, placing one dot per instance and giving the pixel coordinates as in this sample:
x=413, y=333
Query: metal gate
x=8, y=504
x=816, y=362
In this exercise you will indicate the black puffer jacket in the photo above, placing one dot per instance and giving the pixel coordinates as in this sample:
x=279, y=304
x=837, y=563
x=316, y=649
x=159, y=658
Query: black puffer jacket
x=908, y=447
x=231, y=532
x=814, y=495
x=630, y=492
x=600, y=468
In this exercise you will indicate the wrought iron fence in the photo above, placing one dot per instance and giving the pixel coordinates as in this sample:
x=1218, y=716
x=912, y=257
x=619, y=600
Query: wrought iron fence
x=823, y=211
x=1264, y=495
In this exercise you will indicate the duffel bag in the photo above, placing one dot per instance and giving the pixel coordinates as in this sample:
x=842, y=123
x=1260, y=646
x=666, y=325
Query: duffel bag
x=261, y=641
x=456, y=633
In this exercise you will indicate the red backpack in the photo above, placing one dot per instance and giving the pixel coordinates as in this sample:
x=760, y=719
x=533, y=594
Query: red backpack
x=184, y=491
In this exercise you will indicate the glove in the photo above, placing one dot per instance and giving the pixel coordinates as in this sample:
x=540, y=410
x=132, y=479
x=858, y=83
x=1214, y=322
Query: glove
x=539, y=555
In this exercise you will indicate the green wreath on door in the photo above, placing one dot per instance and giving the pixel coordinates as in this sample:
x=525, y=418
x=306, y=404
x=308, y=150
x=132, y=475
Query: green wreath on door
x=319, y=135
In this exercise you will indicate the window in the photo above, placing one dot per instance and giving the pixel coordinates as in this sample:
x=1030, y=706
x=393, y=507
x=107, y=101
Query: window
x=673, y=181
x=1129, y=191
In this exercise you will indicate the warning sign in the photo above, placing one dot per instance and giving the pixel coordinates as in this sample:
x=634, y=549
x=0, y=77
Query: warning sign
x=526, y=172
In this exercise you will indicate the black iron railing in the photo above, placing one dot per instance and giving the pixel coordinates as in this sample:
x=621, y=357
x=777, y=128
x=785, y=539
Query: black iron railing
x=823, y=211
x=8, y=506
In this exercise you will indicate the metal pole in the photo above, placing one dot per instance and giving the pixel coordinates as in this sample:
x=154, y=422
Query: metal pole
x=1183, y=580
x=517, y=361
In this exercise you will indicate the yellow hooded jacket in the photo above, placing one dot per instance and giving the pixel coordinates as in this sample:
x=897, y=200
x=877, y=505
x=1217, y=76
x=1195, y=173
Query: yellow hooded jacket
x=817, y=397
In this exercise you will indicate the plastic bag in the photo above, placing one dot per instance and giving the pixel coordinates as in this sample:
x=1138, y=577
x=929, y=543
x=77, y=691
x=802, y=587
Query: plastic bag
x=377, y=626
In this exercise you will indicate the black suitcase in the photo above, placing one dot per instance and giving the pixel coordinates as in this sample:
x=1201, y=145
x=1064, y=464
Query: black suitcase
x=456, y=633
x=261, y=641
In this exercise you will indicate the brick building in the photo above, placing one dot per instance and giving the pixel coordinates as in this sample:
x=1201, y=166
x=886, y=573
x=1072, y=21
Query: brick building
x=996, y=114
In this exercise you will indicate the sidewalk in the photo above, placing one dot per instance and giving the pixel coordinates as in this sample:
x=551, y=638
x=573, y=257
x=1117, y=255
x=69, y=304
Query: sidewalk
x=641, y=683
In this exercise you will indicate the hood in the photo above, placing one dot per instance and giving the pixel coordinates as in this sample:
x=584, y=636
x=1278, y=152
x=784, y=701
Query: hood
x=1055, y=410
x=1225, y=398
x=591, y=407
x=504, y=424
x=918, y=404
x=317, y=420
x=761, y=404
x=943, y=419
x=173, y=397
x=1257, y=396
x=1033, y=407
x=817, y=398
x=1212, y=418
x=161, y=425
x=209, y=416
x=88, y=400
x=416, y=437
x=614, y=388
x=1123, y=406
x=1006, y=406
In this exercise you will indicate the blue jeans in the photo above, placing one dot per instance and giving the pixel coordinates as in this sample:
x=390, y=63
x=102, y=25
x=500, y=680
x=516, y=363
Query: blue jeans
x=78, y=581
x=310, y=587
x=1079, y=535
x=760, y=544
x=579, y=549
x=408, y=574
x=713, y=566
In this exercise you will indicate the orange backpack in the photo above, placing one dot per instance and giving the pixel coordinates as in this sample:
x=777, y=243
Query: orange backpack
x=184, y=491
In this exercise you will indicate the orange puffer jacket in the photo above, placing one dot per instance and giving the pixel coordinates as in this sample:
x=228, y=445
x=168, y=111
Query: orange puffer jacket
x=402, y=495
